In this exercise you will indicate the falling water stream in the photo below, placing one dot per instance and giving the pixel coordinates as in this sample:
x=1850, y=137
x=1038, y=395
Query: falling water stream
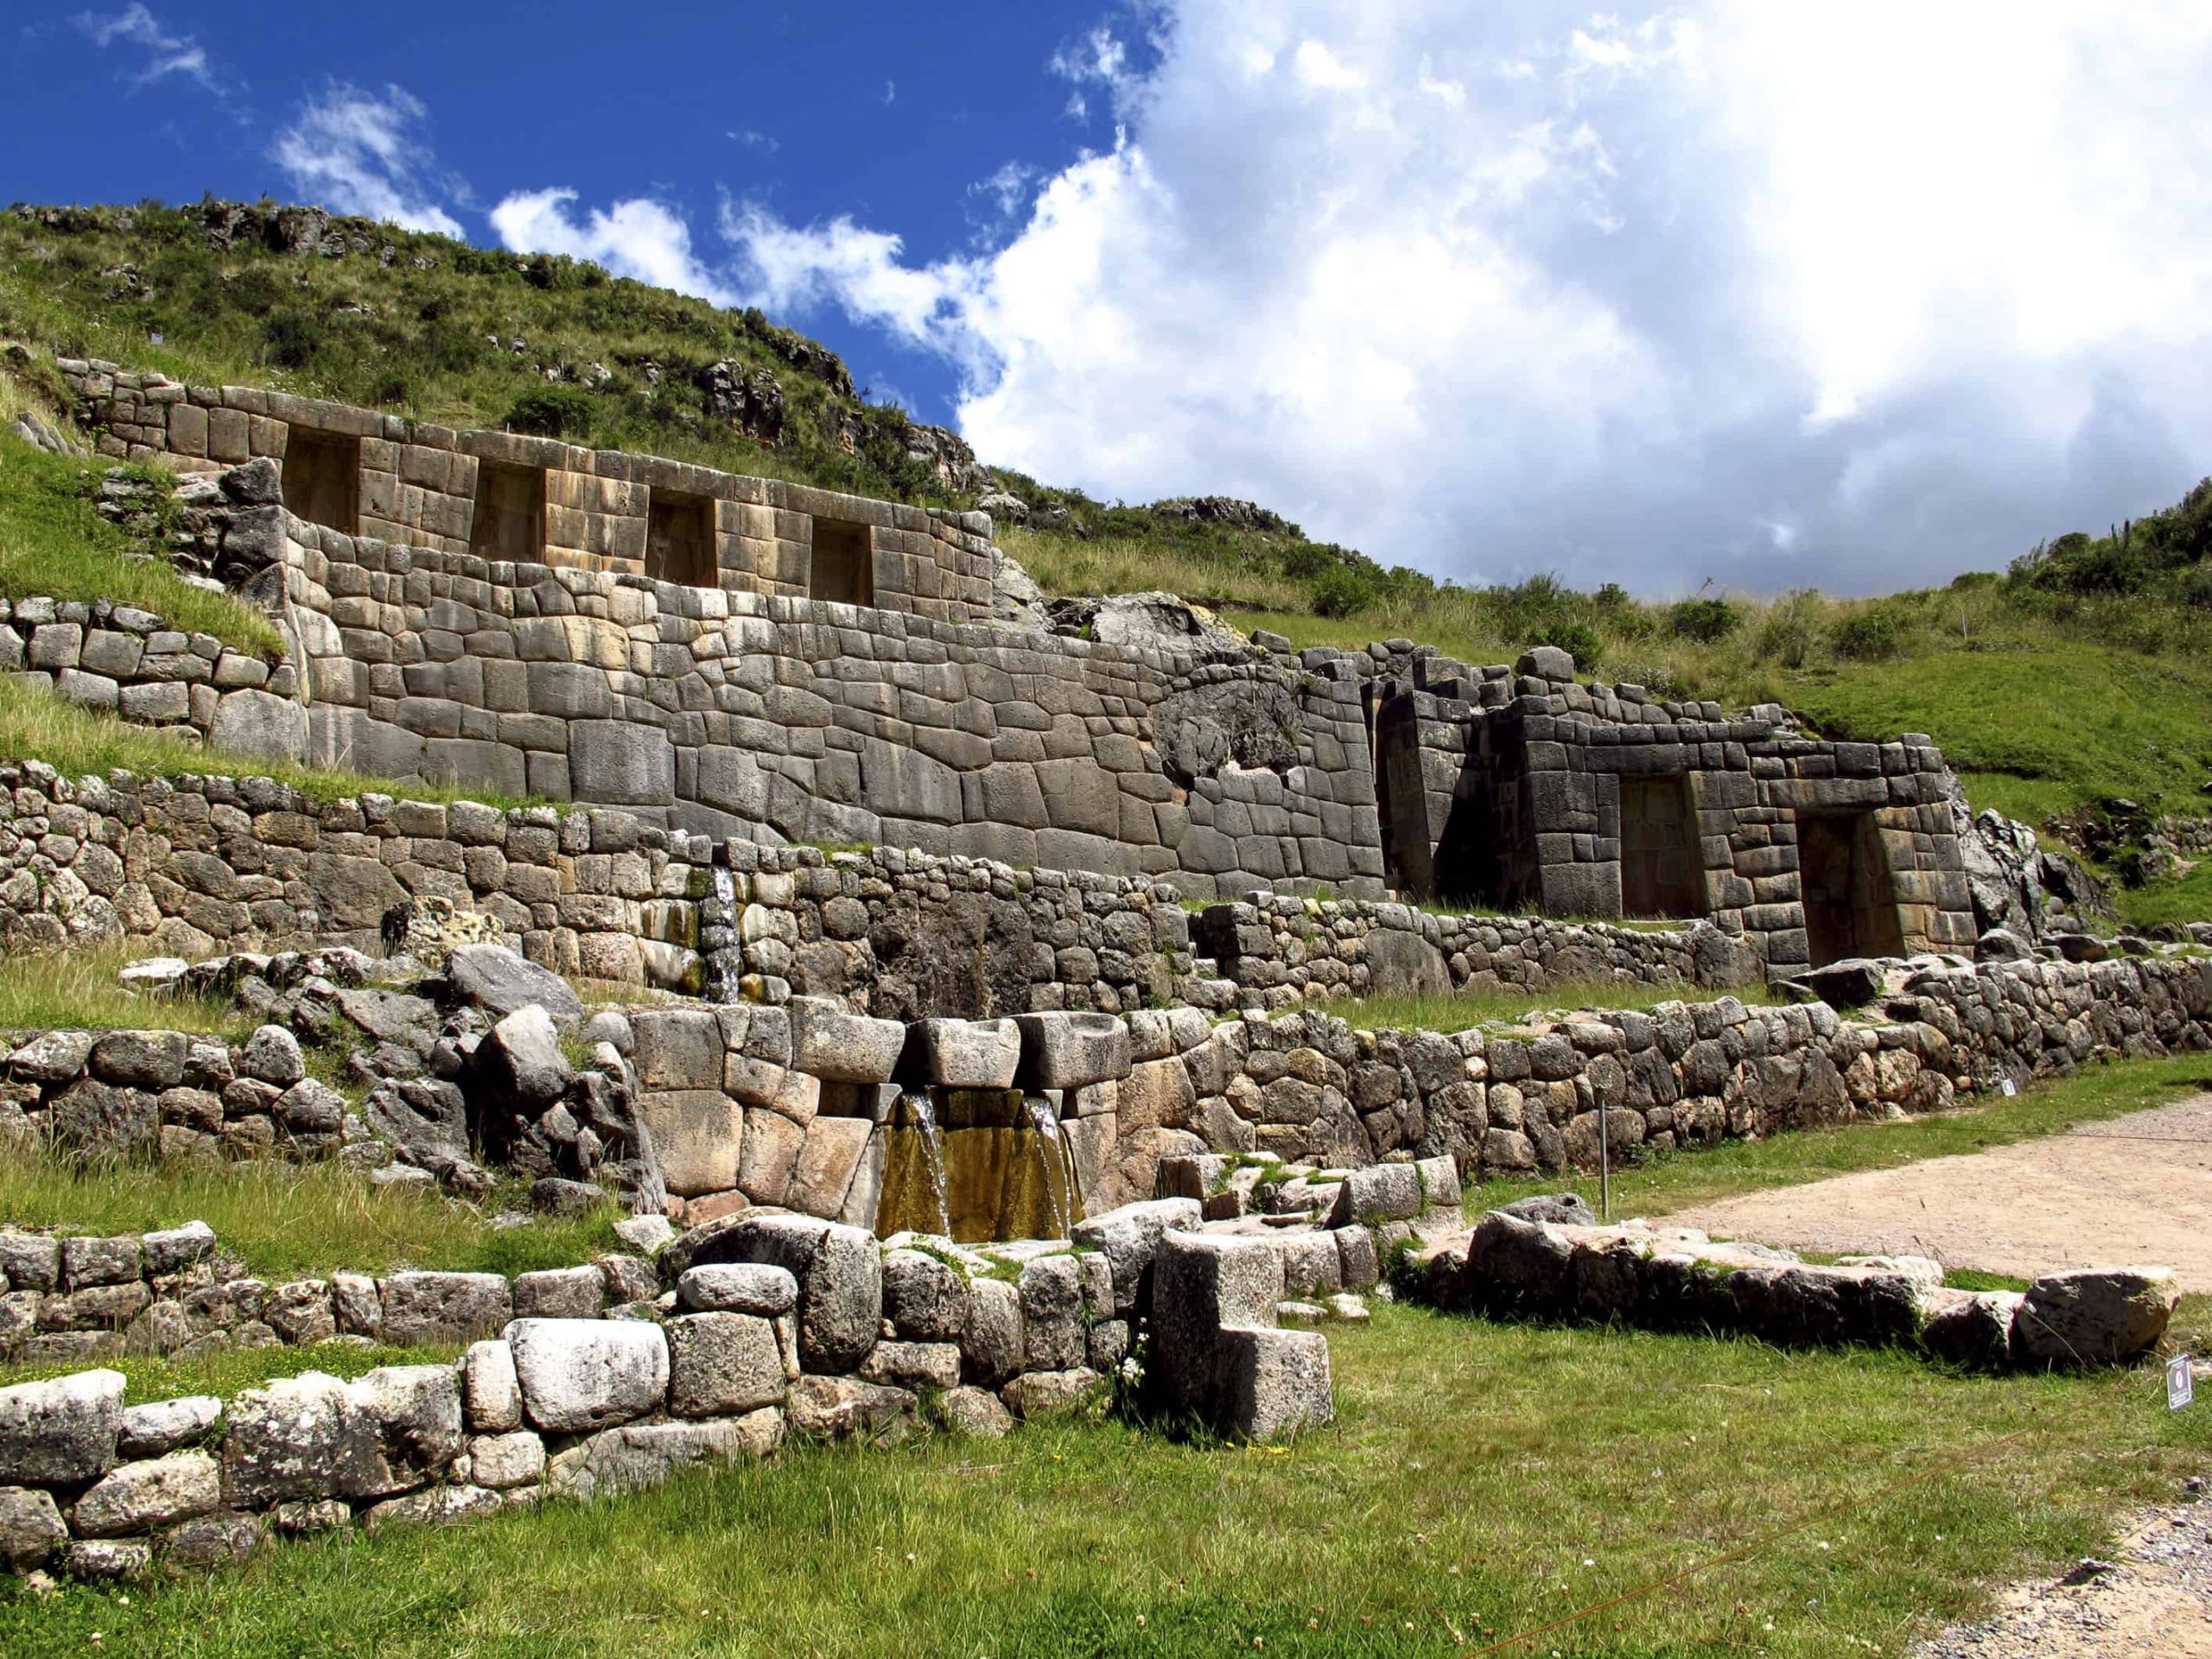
x=977, y=1165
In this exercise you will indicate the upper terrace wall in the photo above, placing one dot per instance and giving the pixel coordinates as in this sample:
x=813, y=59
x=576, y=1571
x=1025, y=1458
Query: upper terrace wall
x=426, y=487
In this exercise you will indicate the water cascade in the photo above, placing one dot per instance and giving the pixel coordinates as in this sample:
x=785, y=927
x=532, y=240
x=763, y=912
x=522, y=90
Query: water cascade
x=977, y=1165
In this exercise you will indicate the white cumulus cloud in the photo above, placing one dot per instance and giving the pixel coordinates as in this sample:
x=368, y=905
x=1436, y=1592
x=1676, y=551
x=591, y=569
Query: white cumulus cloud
x=640, y=238
x=358, y=151
x=1491, y=290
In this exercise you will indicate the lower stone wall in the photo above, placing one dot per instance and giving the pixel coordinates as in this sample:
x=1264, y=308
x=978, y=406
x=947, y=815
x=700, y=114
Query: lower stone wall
x=1278, y=949
x=175, y=1294
x=776, y=1326
x=1510, y=1100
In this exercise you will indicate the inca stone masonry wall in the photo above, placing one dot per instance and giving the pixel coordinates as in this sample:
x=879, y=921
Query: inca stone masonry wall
x=201, y=865
x=417, y=484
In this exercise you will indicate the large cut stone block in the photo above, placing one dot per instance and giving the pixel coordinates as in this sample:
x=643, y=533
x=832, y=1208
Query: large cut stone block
x=963, y=1053
x=140, y=1497
x=840, y=1275
x=1129, y=1239
x=831, y=1042
x=61, y=1432
x=644, y=1454
x=720, y=1364
x=1065, y=1049
x=1273, y=1383
x=698, y=1136
x=580, y=1375
x=621, y=763
x=422, y=1308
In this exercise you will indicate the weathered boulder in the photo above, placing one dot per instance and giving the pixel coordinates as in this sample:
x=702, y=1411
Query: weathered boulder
x=31, y=1528
x=839, y=1407
x=1972, y=1329
x=503, y=1461
x=1560, y=1209
x=580, y=1375
x=560, y=1294
x=312, y=1436
x=140, y=1497
x=1518, y=1265
x=1273, y=1382
x=922, y=1297
x=1845, y=984
x=914, y=1364
x=493, y=1395
x=839, y=1270
x=2095, y=1316
x=720, y=1364
x=1378, y=1193
x=1035, y=1396
x=977, y=1412
x=421, y=1308
x=501, y=980
x=61, y=1432
x=991, y=1344
x=161, y=1427
x=638, y=1455
x=752, y=1288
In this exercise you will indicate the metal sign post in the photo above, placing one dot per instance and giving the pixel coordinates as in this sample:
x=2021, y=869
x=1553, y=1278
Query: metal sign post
x=2181, y=1382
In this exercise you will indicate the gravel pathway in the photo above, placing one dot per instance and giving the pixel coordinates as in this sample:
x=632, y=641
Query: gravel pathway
x=2153, y=1599
x=2133, y=1189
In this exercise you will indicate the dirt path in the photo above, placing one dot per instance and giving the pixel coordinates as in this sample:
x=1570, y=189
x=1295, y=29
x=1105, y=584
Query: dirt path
x=2133, y=1189
x=2154, y=1598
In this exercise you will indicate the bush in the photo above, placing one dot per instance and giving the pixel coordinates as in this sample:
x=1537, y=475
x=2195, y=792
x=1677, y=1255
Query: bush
x=1787, y=634
x=1340, y=593
x=1705, y=621
x=1871, y=636
x=1577, y=640
x=293, y=337
x=552, y=412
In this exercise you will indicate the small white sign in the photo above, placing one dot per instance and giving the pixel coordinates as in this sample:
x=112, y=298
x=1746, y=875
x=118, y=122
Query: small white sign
x=2008, y=1088
x=2181, y=1383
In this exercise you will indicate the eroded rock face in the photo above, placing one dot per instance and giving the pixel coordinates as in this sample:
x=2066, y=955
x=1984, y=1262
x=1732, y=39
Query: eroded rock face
x=1249, y=723
x=580, y=1375
x=1149, y=621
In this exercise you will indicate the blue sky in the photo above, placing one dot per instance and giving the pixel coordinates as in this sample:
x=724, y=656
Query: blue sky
x=1852, y=292
x=894, y=114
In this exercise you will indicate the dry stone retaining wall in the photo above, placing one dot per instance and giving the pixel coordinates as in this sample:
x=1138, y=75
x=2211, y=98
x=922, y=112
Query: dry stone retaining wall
x=777, y=1326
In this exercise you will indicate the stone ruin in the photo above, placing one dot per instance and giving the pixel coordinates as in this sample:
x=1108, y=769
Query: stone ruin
x=741, y=658
x=1007, y=1093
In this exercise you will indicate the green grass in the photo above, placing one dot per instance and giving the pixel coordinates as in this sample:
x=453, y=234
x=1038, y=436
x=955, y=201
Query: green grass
x=291, y=1220
x=37, y=724
x=2073, y=721
x=52, y=544
x=224, y=1374
x=1684, y=1179
x=77, y=988
x=1482, y=1480
x=2183, y=899
x=1458, y=1010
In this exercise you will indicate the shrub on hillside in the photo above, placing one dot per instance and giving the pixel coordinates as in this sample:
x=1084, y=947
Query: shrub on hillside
x=1706, y=620
x=1579, y=640
x=552, y=412
x=1871, y=636
x=294, y=336
x=1340, y=593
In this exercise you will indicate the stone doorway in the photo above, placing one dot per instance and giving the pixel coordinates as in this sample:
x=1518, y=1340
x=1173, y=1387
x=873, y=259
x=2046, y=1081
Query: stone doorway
x=843, y=569
x=680, y=539
x=321, y=478
x=1843, y=876
x=1663, y=863
x=510, y=517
